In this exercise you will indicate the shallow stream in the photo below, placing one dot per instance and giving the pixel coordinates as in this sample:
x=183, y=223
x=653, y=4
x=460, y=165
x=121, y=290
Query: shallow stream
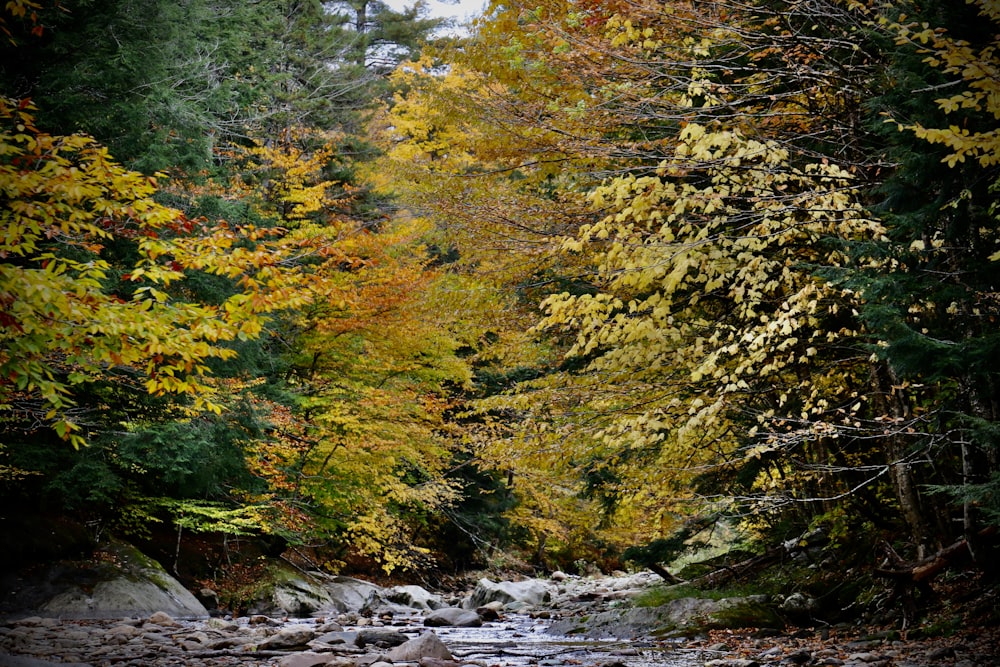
x=521, y=641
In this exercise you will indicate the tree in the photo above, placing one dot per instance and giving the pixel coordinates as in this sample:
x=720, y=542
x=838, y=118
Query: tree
x=678, y=159
x=67, y=202
x=928, y=300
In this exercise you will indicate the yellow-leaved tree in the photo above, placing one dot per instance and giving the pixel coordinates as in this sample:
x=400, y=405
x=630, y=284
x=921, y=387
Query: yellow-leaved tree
x=69, y=316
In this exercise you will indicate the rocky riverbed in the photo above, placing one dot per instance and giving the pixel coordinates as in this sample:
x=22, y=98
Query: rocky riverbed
x=559, y=622
x=515, y=641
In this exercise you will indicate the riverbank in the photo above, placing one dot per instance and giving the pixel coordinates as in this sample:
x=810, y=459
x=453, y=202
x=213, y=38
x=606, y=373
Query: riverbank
x=506, y=624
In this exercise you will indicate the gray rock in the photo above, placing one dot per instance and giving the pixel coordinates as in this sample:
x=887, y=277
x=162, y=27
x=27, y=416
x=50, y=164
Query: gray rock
x=510, y=593
x=381, y=637
x=680, y=617
x=289, y=591
x=126, y=583
x=349, y=594
x=414, y=597
x=336, y=638
x=163, y=619
x=292, y=636
x=437, y=662
x=798, y=605
x=25, y=661
x=306, y=659
x=453, y=616
x=427, y=645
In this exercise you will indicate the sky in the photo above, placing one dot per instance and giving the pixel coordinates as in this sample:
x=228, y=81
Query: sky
x=461, y=10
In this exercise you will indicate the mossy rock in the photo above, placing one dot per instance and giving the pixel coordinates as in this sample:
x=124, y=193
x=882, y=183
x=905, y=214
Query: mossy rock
x=117, y=580
x=682, y=617
x=696, y=616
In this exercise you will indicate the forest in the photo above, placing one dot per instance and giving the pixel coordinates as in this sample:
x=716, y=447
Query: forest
x=588, y=283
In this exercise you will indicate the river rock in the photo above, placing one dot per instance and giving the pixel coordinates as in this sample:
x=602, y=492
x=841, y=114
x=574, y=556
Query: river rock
x=414, y=597
x=335, y=638
x=512, y=594
x=453, y=616
x=427, y=645
x=683, y=617
x=305, y=659
x=291, y=636
x=350, y=594
x=119, y=583
x=381, y=638
x=289, y=591
x=437, y=662
x=24, y=661
x=798, y=606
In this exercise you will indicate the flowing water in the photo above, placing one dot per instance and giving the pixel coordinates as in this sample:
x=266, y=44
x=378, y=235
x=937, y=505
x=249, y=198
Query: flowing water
x=520, y=641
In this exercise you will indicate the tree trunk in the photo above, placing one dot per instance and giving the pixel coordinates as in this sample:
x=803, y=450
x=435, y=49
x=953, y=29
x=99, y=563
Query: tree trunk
x=890, y=400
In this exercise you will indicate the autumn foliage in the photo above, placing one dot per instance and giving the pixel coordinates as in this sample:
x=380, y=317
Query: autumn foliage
x=597, y=275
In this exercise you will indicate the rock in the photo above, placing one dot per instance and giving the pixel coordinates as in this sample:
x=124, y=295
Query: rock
x=799, y=606
x=512, y=594
x=292, y=636
x=381, y=638
x=680, y=617
x=941, y=653
x=349, y=594
x=306, y=659
x=800, y=657
x=414, y=597
x=25, y=661
x=341, y=661
x=296, y=593
x=261, y=619
x=288, y=591
x=732, y=662
x=558, y=575
x=335, y=638
x=437, y=662
x=331, y=626
x=427, y=645
x=121, y=583
x=453, y=616
x=163, y=619
x=489, y=612
x=209, y=598
x=125, y=631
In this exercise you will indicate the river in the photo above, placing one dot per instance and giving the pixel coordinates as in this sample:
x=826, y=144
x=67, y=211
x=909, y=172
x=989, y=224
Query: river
x=518, y=640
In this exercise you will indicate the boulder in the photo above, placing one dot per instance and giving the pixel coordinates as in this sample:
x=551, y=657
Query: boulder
x=306, y=659
x=349, y=594
x=437, y=662
x=490, y=612
x=512, y=594
x=414, y=597
x=380, y=637
x=291, y=636
x=121, y=582
x=427, y=645
x=683, y=617
x=296, y=593
x=798, y=606
x=335, y=638
x=288, y=591
x=454, y=617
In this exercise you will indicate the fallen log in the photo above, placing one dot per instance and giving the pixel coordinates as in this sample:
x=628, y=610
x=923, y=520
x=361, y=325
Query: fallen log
x=926, y=569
